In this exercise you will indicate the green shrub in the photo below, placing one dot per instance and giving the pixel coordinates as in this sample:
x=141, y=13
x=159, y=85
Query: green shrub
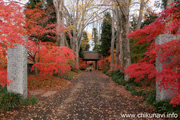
x=139, y=93
x=148, y=84
x=55, y=74
x=135, y=83
x=10, y=100
x=143, y=93
x=118, y=77
x=151, y=97
x=115, y=77
x=127, y=87
x=30, y=101
x=105, y=70
x=165, y=107
x=68, y=78
x=121, y=81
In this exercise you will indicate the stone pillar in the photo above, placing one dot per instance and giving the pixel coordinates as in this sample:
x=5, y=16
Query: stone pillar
x=96, y=65
x=17, y=69
x=169, y=2
x=163, y=95
x=86, y=64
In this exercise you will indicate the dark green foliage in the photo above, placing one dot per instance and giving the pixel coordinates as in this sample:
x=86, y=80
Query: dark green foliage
x=55, y=74
x=148, y=84
x=149, y=18
x=30, y=101
x=162, y=106
x=132, y=82
x=138, y=50
x=138, y=93
x=81, y=55
x=105, y=70
x=164, y=3
x=9, y=101
x=151, y=97
x=165, y=107
x=129, y=87
x=95, y=39
x=68, y=78
x=32, y=3
x=118, y=77
x=106, y=35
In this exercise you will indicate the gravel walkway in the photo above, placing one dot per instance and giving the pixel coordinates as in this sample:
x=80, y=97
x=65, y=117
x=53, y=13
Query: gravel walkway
x=90, y=96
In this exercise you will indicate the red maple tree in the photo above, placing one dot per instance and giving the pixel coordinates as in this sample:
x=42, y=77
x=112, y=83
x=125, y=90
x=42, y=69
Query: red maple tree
x=14, y=24
x=167, y=22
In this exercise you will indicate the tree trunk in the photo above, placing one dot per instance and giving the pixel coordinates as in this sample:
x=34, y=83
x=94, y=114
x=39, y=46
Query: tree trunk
x=58, y=28
x=117, y=54
x=119, y=44
x=121, y=53
x=125, y=44
x=112, y=44
x=63, y=37
x=58, y=4
x=140, y=15
x=36, y=70
x=77, y=55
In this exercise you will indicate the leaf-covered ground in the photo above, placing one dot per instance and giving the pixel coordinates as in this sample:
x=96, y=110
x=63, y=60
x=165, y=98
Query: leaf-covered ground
x=44, y=82
x=89, y=96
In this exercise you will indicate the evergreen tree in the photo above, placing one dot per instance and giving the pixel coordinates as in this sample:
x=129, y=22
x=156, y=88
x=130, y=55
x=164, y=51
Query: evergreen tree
x=137, y=51
x=106, y=35
x=95, y=39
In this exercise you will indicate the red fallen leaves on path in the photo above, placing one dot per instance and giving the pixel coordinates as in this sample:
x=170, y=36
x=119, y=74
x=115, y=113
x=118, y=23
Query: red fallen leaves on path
x=45, y=82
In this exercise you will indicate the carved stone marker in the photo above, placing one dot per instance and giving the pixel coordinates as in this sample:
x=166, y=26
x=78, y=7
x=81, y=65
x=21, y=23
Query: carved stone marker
x=17, y=69
x=163, y=95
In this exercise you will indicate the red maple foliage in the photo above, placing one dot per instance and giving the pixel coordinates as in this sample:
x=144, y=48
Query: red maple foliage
x=54, y=59
x=169, y=53
x=14, y=24
x=82, y=64
x=11, y=32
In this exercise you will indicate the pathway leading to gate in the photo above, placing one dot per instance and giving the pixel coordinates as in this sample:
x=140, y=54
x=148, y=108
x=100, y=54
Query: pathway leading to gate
x=90, y=96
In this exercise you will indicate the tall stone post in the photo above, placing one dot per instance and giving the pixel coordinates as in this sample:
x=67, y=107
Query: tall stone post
x=163, y=95
x=96, y=65
x=86, y=64
x=17, y=69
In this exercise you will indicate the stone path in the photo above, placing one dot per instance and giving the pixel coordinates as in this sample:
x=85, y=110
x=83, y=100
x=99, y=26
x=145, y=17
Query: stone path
x=90, y=96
